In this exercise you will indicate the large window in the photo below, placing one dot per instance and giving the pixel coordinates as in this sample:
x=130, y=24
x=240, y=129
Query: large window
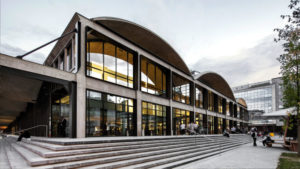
x=220, y=105
x=210, y=101
x=154, y=119
x=180, y=117
x=210, y=124
x=70, y=57
x=199, y=97
x=199, y=121
x=109, y=115
x=108, y=61
x=60, y=112
x=257, y=98
x=181, y=89
x=220, y=125
x=153, y=78
x=227, y=109
x=61, y=61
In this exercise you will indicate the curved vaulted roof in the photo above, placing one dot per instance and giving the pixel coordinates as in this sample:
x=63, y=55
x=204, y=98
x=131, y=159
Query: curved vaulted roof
x=145, y=39
x=241, y=101
x=217, y=82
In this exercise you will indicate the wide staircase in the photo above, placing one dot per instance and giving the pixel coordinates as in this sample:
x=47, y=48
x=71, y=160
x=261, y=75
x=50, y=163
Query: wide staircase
x=131, y=152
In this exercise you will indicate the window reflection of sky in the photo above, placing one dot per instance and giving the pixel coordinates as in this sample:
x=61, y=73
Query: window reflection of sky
x=259, y=99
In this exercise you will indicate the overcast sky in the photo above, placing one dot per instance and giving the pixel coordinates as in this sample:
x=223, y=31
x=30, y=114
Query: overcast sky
x=231, y=37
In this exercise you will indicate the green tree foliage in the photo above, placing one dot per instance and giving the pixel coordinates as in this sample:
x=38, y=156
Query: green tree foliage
x=290, y=62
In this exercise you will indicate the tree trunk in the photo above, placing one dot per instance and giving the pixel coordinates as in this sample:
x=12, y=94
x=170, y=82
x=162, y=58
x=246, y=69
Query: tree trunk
x=298, y=134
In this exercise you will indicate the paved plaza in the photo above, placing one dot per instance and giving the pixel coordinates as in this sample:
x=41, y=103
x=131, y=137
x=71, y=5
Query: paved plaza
x=246, y=157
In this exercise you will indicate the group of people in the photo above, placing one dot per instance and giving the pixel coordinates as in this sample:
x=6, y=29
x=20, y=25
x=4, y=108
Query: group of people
x=191, y=129
x=266, y=138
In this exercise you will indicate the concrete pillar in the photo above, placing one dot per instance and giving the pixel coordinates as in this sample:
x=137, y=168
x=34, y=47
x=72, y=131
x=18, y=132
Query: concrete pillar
x=138, y=113
x=81, y=88
x=137, y=75
x=170, y=94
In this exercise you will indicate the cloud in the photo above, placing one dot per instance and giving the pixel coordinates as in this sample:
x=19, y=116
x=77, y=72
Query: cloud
x=251, y=65
x=15, y=51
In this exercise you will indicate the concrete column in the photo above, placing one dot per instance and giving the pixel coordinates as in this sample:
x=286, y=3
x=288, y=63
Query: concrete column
x=193, y=99
x=81, y=88
x=138, y=113
x=137, y=75
x=170, y=94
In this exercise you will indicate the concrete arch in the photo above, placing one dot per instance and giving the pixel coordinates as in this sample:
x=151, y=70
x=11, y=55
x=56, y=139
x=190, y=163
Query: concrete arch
x=217, y=82
x=145, y=39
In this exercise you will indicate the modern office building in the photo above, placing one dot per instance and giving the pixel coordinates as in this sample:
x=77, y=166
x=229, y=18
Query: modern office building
x=261, y=96
x=113, y=78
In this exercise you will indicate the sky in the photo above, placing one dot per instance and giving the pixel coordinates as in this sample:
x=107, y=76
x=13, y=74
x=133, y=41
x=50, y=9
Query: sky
x=233, y=38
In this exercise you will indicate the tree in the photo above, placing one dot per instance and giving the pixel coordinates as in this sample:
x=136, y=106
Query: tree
x=290, y=60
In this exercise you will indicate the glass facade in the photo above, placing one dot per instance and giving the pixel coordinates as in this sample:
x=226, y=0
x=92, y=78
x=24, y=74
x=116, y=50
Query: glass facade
x=200, y=121
x=153, y=78
x=60, y=113
x=180, y=117
x=210, y=124
x=109, y=115
x=220, y=125
x=181, y=89
x=220, y=106
x=154, y=119
x=227, y=109
x=199, y=97
x=257, y=99
x=210, y=101
x=109, y=62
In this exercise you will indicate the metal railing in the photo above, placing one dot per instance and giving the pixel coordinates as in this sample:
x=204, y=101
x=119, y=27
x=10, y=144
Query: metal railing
x=41, y=125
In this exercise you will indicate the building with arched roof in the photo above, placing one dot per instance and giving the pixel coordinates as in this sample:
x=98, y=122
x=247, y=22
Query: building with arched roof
x=128, y=81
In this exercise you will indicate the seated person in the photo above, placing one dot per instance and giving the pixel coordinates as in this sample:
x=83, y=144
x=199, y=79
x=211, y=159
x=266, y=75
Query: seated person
x=267, y=139
x=226, y=133
x=25, y=134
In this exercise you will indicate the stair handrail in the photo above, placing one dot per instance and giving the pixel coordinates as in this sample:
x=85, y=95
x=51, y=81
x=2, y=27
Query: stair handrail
x=40, y=125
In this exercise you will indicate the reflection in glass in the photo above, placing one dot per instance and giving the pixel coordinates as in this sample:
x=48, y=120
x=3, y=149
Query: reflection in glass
x=199, y=97
x=181, y=89
x=109, y=115
x=60, y=111
x=210, y=101
x=180, y=117
x=108, y=61
x=153, y=78
x=210, y=124
x=153, y=119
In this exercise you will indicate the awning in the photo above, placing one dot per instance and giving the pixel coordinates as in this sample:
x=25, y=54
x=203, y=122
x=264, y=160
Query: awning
x=282, y=112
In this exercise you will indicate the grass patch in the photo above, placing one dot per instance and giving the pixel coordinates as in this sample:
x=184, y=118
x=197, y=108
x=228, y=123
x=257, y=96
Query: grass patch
x=289, y=161
x=289, y=155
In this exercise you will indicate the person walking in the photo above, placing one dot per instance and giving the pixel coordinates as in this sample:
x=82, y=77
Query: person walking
x=254, y=136
x=182, y=129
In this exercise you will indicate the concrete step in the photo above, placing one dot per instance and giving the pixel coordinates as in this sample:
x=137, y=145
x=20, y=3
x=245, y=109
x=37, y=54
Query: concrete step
x=119, y=155
x=4, y=162
x=188, y=159
x=146, y=162
x=46, y=147
x=99, y=163
x=56, y=147
x=49, y=153
x=96, y=140
x=34, y=159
